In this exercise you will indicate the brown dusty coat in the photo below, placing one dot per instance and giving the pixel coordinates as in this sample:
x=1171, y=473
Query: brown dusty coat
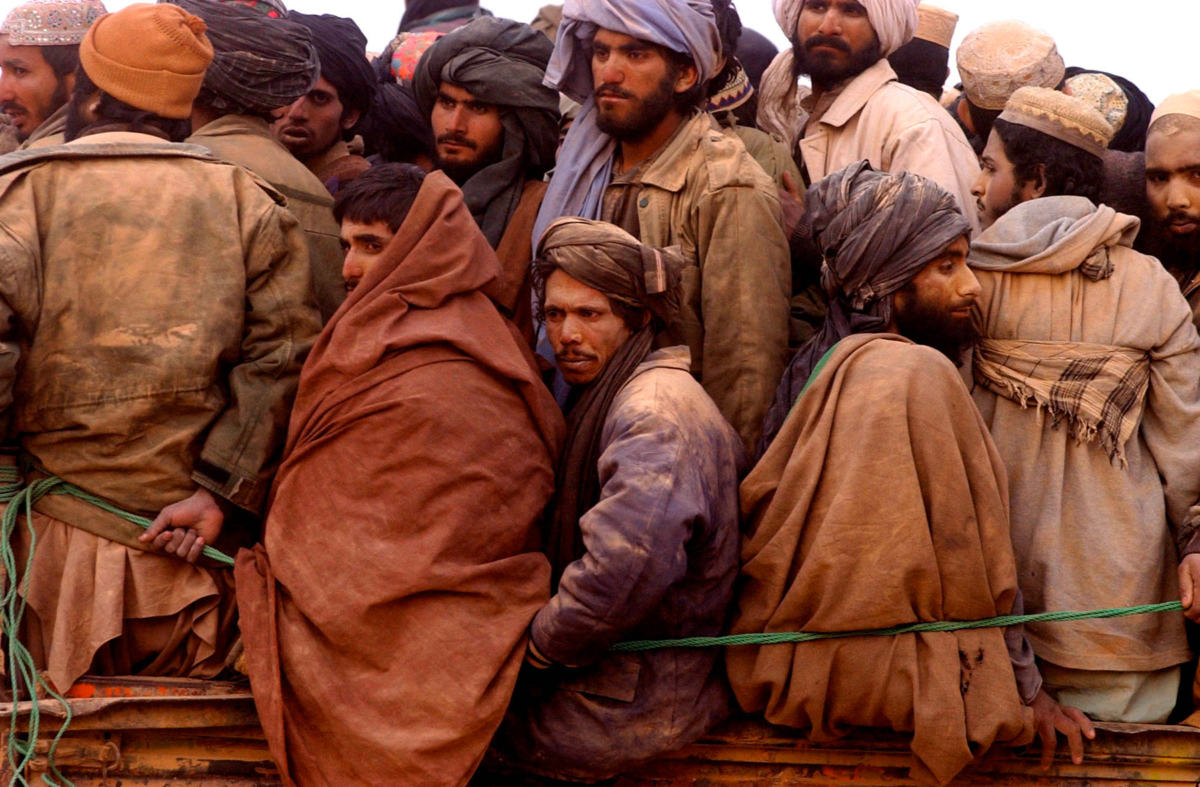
x=513, y=292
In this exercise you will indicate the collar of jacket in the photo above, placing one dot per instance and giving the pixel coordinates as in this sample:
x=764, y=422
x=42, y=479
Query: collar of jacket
x=234, y=125
x=669, y=170
x=678, y=357
x=856, y=94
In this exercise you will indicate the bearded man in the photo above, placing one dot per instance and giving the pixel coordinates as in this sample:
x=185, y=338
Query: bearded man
x=39, y=52
x=385, y=617
x=261, y=64
x=1086, y=375
x=316, y=127
x=641, y=155
x=1173, y=191
x=882, y=374
x=153, y=369
x=644, y=529
x=496, y=129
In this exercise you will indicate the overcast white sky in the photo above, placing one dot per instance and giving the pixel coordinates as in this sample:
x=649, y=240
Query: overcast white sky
x=1152, y=43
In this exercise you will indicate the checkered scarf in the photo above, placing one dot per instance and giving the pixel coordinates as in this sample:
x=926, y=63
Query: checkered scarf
x=1100, y=390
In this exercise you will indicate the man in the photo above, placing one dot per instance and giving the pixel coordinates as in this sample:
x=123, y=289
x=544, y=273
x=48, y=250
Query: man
x=496, y=129
x=153, y=370
x=994, y=62
x=827, y=554
x=642, y=156
x=385, y=621
x=260, y=65
x=1082, y=333
x=1173, y=191
x=439, y=16
x=39, y=52
x=924, y=62
x=857, y=110
x=643, y=536
x=317, y=127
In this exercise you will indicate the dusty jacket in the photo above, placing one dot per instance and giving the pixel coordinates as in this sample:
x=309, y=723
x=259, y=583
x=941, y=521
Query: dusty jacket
x=898, y=129
x=1087, y=533
x=662, y=556
x=706, y=194
x=247, y=142
x=127, y=367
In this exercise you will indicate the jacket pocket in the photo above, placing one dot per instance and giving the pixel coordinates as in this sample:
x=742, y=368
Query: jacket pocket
x=614, y=678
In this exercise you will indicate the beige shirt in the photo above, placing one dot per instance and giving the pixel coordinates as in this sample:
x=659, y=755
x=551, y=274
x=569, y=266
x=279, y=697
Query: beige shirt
x=895, y=127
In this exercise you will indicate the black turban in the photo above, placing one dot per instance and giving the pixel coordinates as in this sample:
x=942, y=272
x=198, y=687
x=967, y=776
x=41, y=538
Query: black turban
x=418, y=10
x=501, y=62
x=877, y=231
x=259, y=63
x=1132, y=136
x=395, y=129
x=342, y=48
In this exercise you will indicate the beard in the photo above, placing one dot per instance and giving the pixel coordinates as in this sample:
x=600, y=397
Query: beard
x=1178, y=253
x=58, y=98
x=827, y=75
x=934, y=326
x=462, y=171
x=645, y=116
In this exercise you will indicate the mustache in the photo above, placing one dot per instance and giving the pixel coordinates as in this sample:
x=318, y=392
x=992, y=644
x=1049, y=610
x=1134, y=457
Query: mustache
x=457, y=138
x=574, y=356
x=1181, y=217
x=611, y=90
x=829, y=41
x=12, y=108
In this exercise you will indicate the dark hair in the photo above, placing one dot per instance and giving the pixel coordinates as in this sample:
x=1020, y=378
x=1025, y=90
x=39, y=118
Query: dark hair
x=923, y=65
x=224, y=105
x=1068, y=170
x=63, y=60
x=982, y=119
x=112, y=110
x=694, y=95
x=385, y=192
x=634, y=317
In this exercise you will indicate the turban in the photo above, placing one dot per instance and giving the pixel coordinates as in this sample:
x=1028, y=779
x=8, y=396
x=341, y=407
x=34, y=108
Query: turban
x=895, y=23
x=1131, y=132
x=417, y=12
x=396, y=129
x=877, y=231
x=584, y=166
x=501, y=62
x=259, y=63
x=608, y=259
x=407, y=49
x=342, y=49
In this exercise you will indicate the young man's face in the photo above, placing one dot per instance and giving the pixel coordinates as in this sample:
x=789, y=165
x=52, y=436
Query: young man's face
x=469, y=133
x=582, y=328
x=837, y=41
x=635, y=84
x=1173, y=187
x=996, y=190
x=363, y=244
x=315, y=122
x=934, y=308
x=30, y=91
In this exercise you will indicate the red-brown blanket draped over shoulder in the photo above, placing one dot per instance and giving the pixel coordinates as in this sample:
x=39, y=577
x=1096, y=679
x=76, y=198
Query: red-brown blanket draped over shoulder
x=385, y=621
x=882, y=502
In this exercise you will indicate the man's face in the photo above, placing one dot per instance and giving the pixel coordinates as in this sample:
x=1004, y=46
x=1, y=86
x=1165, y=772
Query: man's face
x=29, y=90
x=934, y=308
x=836, y=41
x=996, y=190
x=635, y=84
x=582, y=328
x=1173, y=188
x=469, y=133
x=362, y=243
x=314, y=123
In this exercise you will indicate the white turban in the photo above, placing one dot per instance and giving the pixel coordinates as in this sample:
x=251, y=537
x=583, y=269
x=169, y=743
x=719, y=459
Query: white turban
x=895, y=24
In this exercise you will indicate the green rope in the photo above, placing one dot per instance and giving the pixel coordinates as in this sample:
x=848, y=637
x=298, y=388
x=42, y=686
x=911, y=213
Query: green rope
x=22, y=671
x=782, y=637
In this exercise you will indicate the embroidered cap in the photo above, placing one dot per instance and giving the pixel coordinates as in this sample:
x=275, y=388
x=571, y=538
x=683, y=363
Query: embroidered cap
x=1000, y=58
x=51, y=22
x=1058, y=115
x=936, y=25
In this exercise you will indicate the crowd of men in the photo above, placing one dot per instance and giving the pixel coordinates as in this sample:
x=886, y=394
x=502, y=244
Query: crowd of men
x=518, y=341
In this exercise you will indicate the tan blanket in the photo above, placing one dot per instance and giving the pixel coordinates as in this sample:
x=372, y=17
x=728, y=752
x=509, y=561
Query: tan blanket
x=882, y=502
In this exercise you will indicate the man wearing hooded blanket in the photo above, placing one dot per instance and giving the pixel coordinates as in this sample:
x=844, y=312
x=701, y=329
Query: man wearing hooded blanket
x=644, y=530
x=496, y=129
x=824, y=553
x=385, y=620
x=1079, y=328
x=262, y=64
x=642, y=156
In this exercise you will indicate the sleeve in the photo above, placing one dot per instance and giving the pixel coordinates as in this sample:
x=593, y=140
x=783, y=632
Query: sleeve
x=1020, y=652
x=745, y=303
x=242, y=449
x=636, y=538
x=19, y=305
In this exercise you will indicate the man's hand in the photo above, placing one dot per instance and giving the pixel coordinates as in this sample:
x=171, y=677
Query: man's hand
x=1050, y=717
x=1189, y=586
x=183, y=529
x=792, y=202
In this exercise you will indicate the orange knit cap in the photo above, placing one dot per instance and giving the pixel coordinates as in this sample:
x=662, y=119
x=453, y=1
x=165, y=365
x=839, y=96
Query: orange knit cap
x=152, y=57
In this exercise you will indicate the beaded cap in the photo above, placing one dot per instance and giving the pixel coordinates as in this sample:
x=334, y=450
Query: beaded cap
x=1058, y=115
x=51, y=22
